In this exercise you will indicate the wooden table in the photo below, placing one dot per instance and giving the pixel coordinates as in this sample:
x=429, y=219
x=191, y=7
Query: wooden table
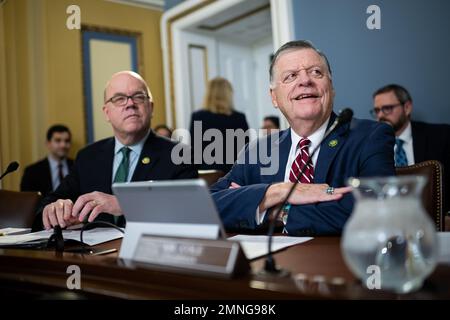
x=317, y=271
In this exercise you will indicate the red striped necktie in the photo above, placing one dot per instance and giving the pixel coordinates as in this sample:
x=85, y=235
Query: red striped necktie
x=300, y=161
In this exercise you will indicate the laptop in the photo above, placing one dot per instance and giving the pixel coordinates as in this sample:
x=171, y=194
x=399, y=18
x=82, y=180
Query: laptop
x=176, y=208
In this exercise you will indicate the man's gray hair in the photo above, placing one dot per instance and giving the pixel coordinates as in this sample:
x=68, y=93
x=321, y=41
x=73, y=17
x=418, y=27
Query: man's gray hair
x=292, y=46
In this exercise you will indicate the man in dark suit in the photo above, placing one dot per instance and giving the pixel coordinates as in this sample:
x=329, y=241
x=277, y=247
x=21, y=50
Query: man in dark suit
x=46, y=175
x=301, y=86
x=415, y=141
x=135, y=153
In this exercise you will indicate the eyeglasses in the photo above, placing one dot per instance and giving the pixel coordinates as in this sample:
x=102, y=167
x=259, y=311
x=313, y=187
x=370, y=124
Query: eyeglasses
x=121, y=100
x=387, y=109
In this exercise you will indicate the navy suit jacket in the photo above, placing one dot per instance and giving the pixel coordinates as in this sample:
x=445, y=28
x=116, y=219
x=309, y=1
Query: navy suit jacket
x=93, y=168
x=361, y=148
x=37, y=177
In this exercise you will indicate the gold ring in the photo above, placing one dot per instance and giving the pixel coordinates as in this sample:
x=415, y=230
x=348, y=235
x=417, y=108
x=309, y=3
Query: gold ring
x=61, y=204
x=94, y=203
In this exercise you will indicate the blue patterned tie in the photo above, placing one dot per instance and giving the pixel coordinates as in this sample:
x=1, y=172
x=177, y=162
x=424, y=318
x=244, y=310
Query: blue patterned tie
x=400, y=155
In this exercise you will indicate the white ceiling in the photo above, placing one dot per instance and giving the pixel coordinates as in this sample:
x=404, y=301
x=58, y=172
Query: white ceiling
x=246, y=22
x=151, y=4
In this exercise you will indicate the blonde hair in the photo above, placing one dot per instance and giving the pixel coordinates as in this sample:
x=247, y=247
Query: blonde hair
x=219, y=96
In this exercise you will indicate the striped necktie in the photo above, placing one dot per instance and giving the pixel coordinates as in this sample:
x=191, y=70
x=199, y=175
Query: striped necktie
x=301, y=163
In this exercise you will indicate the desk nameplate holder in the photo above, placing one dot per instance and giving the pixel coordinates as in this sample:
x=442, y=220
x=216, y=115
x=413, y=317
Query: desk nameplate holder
x=205, y=257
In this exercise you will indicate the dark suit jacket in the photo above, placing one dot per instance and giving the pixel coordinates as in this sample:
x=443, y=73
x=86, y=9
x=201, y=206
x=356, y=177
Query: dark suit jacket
x=93, y=167
x=432, y=142
x=221, y=122
x=362, y=148
x=37, y=177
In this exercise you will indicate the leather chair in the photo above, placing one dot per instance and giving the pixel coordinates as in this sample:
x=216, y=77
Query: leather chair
x=210, y=176
x=432, y=196
x=18, y=209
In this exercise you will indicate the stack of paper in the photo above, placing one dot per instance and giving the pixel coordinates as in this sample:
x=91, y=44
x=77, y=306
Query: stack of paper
x=90, y=237
x=11, y=231
x=256, y=246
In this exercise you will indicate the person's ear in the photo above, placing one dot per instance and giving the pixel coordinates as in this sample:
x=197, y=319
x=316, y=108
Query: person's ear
x=408, y=108
x=151, y=109
x=106, y=113
x=274, y=98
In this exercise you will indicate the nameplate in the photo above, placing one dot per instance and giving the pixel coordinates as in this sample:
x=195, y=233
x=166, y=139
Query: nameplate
x=219, y=258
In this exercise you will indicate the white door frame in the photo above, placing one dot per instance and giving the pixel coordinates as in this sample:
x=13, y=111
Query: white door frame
x=188, y=13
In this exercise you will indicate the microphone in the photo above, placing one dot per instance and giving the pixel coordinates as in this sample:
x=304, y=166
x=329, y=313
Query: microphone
x=11, y=168
x=270, y=266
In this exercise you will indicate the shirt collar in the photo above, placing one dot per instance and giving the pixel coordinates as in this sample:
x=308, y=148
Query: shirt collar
x=54, y=163
x=406, y=135
x=315, y=138
x=137, y=147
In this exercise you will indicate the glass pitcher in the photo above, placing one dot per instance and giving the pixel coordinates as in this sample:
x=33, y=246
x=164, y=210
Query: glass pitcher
x=390, y=231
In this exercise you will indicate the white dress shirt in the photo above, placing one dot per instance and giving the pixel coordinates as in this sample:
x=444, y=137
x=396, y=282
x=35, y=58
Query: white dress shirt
x=54, y=170
x=407, y=138
x=135, y=152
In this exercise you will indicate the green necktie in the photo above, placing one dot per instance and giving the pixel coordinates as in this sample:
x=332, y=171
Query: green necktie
x=122, y=171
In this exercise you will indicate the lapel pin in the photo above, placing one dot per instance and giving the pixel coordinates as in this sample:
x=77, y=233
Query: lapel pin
x=146, y=160
x=333, y=143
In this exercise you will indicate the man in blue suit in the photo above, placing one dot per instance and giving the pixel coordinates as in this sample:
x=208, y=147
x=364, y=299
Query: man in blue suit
x=301, y=86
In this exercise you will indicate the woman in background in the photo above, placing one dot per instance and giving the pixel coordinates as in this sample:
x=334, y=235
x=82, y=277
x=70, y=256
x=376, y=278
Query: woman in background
x=163, y=131
x=218, y=113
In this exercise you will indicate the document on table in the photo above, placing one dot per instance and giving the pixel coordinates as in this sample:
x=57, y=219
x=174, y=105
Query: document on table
x=256, y=246
x=90, y=237
x=11, y=231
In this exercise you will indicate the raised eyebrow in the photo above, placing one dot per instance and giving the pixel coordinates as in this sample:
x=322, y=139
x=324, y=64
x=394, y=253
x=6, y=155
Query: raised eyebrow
x=287, y=72
x=118, y=94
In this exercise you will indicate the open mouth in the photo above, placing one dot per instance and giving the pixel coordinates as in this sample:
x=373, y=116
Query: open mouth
x=305, y=96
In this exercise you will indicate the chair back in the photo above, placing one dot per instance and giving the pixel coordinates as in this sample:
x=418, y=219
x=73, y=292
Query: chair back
x=18, y=209
x=210, y=176
x=432, y=192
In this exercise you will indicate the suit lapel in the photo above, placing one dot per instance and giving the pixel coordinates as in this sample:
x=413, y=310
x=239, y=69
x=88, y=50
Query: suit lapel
x=279, y=153
x=48, y=176
x=419, y=143
x=329, y=149
x=148, y=158
x=105, y=161
x=283, y=153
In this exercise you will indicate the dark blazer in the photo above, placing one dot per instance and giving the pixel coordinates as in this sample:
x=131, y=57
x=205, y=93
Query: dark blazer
x=221, y=122
x=93, y=167
x=432, y=142
x=362, y=148
x=37, y=177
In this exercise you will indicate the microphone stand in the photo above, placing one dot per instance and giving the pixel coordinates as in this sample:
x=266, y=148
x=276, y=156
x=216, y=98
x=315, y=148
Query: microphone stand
x=270, y=266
